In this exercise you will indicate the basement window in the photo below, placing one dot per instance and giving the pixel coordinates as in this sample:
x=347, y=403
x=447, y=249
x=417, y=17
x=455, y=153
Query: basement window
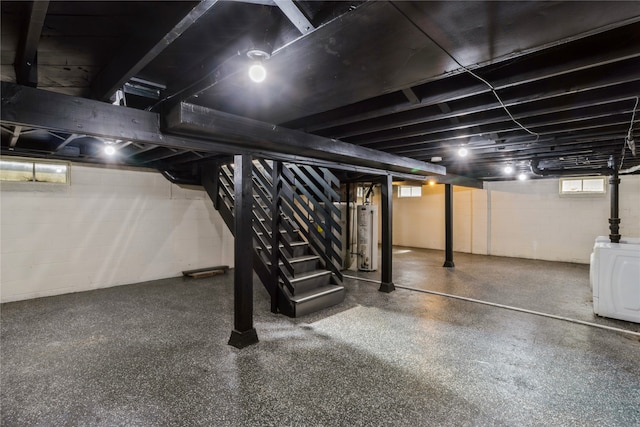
x=575, y=186
x=30, y=171
x=409, y=191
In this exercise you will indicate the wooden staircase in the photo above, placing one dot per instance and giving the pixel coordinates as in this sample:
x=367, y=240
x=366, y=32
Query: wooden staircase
x=299, y=263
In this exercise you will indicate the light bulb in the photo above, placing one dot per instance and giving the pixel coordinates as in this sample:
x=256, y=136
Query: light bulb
x=508, y=170
x=462, y=152
x=257, y=73
x=109, y=150
x=522, y=177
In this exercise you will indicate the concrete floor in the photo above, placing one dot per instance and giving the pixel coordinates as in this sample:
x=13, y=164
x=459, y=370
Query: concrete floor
x=155, y=353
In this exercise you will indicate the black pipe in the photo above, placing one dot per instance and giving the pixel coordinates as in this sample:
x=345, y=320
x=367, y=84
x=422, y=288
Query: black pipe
x=178, y=180
x=614, y=221
x=600, y=170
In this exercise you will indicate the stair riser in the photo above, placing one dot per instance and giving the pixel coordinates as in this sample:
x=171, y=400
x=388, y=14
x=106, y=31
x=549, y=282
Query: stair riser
x=319, y=303
x=298, y=251
x=311, y=283
x=305, y=266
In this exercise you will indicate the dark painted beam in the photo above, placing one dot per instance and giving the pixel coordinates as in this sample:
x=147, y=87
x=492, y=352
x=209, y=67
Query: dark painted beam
x=610, y=67
x=203, y=122
x=522, y=105
x=29, y=107
x=26, y=62
x=483, y=123
x=141, y=51
x=386, y=281
x=448, y=224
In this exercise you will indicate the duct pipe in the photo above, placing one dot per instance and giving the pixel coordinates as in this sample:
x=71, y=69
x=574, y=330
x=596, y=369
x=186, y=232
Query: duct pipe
x=178, y=180
x=601, y=170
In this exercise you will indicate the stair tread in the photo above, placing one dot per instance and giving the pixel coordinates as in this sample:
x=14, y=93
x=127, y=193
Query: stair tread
x=316, y=293
x=300, y=243
x=301, y=258
x=308, y=275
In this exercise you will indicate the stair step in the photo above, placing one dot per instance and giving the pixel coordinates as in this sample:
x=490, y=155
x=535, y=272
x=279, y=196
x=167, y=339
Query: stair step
x=317, y=299
x=302, y=264
x=307, y=281
x=299, y=248
x=283, y=233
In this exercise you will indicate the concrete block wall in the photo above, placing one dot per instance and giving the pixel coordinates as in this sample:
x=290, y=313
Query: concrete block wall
x=108, y=227
x=519, y=219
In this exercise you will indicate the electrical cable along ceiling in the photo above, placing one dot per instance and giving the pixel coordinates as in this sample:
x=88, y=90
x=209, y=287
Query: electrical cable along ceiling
x=553, y=85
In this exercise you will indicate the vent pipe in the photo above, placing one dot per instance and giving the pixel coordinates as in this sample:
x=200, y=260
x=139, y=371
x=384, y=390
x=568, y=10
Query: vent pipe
x=610, y=170
x=614, y=220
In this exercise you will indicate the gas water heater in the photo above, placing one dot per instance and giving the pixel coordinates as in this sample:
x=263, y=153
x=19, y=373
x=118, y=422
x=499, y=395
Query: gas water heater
x=367, y=237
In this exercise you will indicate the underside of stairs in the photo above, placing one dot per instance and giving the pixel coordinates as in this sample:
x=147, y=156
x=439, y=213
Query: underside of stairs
x=299, y=263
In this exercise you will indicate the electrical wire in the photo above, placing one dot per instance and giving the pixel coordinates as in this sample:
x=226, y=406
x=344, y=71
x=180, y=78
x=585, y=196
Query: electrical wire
x=489, y=85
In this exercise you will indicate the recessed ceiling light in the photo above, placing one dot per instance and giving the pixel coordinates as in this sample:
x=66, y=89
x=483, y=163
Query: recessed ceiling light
x=462, y=152
x=257, y=73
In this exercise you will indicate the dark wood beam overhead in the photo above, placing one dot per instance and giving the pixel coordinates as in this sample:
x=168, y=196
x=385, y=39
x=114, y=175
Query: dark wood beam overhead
x=210, y=131
x=203, y=122
x=26, y=62
x=623, y=59
x=143, y=49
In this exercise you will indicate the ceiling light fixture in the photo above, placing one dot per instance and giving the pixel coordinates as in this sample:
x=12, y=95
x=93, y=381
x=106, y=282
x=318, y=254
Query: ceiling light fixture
x=508, y=170
x=257, y=71
x=462, y=152
x=522, y=176
x=109, y=150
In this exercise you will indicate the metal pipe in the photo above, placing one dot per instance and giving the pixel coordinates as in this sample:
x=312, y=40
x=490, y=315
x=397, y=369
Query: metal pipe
x=600, y=170
x=614, y=221
x=180, y=181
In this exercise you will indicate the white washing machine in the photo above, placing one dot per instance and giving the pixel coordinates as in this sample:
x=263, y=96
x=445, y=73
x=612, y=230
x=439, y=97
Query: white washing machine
x=615, y=278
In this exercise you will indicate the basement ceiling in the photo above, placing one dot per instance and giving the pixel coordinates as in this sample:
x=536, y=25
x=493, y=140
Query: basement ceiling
x=514, y=83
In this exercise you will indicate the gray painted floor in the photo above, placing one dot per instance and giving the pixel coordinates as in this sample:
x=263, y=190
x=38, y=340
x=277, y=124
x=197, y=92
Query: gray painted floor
x=155, y=354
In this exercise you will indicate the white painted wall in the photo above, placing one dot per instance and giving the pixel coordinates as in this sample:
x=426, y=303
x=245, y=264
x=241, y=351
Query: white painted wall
x=513, y=218
x=109, y=227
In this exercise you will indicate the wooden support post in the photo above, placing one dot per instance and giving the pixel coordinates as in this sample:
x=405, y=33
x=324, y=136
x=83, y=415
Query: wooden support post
x=448, y=224
x=243, y=334
x=386, y=282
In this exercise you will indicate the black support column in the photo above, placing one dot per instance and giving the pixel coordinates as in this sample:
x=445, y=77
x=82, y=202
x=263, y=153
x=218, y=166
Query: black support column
x=243, y=333
x=614, y=220
x=386, y=282
x=448, y=224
